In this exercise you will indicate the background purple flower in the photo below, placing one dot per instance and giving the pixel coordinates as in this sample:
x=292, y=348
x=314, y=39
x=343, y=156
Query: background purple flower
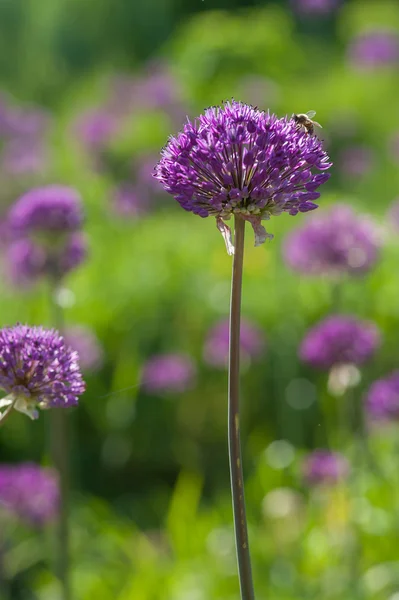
x=238, y=160
x=382, y=399
x=39, y=369
x=356, y=161
x=312, y=8
x=170, y=373
x=96, y=129
x=216, y=349
x=127, y=200
x=339, y=340
x=29, y=492
x=84, y=341
x=325, y=467
x=374, y=49
x=334, y=243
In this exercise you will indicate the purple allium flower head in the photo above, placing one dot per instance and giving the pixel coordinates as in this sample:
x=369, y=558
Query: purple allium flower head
x=38, y=370
x=53, y=208
x=216, y=350
x=356, y=161
x=29, y=492
x=312, y=8
x=84, y=341
x=340, y=340
x=237, y=160
x=382, y=399
x=325, y=467
x=96, y=129
x=168, y=373
x=374, y=49
x=334, y=243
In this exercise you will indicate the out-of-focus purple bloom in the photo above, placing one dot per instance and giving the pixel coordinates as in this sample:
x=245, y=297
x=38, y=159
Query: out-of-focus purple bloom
x=96, y=129
x=340, y=340
x=393, y=215
x=53, y=208
x=325, y=467
x=334, y=243
x=237, y=160
x=312, y=8
x=72, y=255
x=356, y=161
x=38, y=370
x=382, y=399
x=84, y=341
x=29, y=492
x=27, y=123
x=128, y=200
x=374, y=49
x=20, y=157
x=216, y=350
x=168, y=373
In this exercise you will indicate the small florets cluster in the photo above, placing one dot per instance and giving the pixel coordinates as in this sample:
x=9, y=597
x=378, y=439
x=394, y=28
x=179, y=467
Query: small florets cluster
x=45, y=224
x=38, y=370
x=29, y=492
x=237, y=160
x=335, y=243
x=325, y=467
x=339, y=340
x=382, y=399
x=168, y=373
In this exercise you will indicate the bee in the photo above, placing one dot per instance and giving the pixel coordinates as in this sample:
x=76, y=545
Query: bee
x=304, y=121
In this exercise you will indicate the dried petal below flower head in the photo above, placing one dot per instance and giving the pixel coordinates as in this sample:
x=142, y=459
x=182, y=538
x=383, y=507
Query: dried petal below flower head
x=340, y=340
x=237, y=160
x=29, y=492
x=38, y=370
x=334, y=243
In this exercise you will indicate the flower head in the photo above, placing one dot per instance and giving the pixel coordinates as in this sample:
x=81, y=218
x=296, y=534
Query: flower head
x=339, y=340
x=335, y=243
x=323, y=466
x=237, y=160
x=173, y=373
x=84, y=341
x=374, y=49
x=382, y=399
x=38, y=370
x=29, y=492
x=216, y=348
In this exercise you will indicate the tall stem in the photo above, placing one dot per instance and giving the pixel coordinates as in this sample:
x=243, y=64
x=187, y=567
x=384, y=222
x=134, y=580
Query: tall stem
x=236, y=473
x=59, y=448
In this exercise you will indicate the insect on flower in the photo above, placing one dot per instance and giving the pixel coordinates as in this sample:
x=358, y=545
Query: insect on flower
x=304, y=121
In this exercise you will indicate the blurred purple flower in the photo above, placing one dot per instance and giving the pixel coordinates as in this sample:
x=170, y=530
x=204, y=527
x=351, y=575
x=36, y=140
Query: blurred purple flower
x=20, y=157
x=96, y=129
x=325, y=467
x=339, y=340
x=85, y=342
x=168, y=373
x=393, y=215
x=26, y=123
x=29, y=492
x=334, y=243
x=312, y=8
x=237, y=160
x=128, y=200
x=374, y=49
x=216, y=349
x=356, y=161
x=38, y=370
x=382, y=399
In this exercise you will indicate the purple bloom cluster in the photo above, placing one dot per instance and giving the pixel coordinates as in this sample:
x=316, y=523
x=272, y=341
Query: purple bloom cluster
x=382, y=399
x=356, y=161
x=38, y=370
x=168, y=373
x=29, y=492
x=216, y=350
x=374, y=49
x=335, y=243
x=84, y=341
x=325, y=467
x=45, y=224
x=237, y=160
x=339, y=340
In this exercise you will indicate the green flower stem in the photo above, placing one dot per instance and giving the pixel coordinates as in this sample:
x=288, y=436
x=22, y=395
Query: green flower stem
x=59, y=449
x=236, y=473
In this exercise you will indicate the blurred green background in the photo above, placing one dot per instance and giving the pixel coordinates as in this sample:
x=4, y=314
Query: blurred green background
x=151, y=504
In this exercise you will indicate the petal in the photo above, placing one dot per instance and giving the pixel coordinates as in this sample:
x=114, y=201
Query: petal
x=27, y=408
x=226, y=233
x=261, y=234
